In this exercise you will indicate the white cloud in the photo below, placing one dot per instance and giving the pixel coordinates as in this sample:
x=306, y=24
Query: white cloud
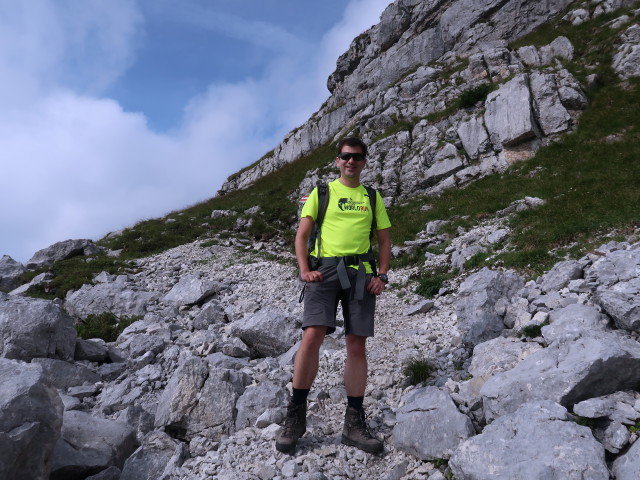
x=75, y=165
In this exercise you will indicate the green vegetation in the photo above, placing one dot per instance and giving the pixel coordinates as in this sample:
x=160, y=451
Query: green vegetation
x=470, y=97
x=106, y=326
x=74, y=272
x=533, y=331
x=635, y=428
x=586, y=422
x=431, y=281
x=418, y=370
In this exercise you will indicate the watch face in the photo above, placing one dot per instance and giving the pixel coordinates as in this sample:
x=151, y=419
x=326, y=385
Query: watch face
x=384, y=277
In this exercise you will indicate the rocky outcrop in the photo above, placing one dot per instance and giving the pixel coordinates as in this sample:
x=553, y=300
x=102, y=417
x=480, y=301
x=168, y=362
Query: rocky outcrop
x=88, y=445
x=10, y=273
x=476, y=308
x=30, y=421
x=61, y=251
x=528, y=444
x=404, y=76
x=32, y=328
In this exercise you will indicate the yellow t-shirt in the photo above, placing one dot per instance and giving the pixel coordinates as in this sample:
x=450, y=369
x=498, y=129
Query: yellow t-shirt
x=347, y=221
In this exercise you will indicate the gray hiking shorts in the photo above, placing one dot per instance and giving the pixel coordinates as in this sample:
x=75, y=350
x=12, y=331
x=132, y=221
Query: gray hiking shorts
x=321, y=304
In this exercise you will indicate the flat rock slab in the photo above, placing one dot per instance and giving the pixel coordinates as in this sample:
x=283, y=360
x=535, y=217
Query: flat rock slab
x=537, y=441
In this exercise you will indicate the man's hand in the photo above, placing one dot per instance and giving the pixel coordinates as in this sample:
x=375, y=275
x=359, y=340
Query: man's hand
x=311, y=276
x=376, y=286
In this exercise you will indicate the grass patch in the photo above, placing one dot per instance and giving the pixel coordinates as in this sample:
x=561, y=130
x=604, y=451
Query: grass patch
x=418, y=370
x=106, y=326
x=533, y=331
x=471, y=96
x=74, y=272
x=431, y=281
x=478, y=260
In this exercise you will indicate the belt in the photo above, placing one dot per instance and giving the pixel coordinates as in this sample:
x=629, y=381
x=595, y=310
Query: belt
x=341, y=267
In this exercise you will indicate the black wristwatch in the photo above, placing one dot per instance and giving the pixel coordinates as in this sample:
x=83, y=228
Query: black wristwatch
x=383, y=277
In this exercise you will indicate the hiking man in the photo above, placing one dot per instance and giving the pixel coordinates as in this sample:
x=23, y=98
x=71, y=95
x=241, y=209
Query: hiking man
x=340, y=267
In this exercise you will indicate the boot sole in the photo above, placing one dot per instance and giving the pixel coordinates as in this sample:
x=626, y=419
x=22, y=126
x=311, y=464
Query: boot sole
x=363, y=447
x=289, y=449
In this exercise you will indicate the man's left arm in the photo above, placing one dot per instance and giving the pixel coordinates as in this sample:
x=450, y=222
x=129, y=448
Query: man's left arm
x=376, y=285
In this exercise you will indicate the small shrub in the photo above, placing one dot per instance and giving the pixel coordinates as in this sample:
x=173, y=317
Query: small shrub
x=431, y=282
x=418, y=370
x=533, y=331
x=586, y=422
x=470, y=97
x=106, y=326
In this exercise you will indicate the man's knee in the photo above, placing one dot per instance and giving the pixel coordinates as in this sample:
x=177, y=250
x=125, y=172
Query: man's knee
x=312, y=337
x=356, y=345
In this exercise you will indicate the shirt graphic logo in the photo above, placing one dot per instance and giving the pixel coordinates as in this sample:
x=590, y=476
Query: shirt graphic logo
x=348, y=205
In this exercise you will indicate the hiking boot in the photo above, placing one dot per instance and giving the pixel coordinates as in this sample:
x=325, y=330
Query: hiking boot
x=293, y=427
x=357, y=434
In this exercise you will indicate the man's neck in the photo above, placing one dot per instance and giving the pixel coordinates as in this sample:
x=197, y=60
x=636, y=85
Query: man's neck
x=349, y=182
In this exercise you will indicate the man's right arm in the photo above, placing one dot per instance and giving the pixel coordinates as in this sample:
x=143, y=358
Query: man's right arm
x=302, y=235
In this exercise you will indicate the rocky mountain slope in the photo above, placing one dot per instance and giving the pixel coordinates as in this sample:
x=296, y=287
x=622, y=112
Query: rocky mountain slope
x=529, y=376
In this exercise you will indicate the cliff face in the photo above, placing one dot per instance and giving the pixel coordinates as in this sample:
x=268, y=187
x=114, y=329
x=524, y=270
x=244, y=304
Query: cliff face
x=410, y=69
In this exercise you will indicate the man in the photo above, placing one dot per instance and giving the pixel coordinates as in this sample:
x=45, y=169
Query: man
x=344, y=232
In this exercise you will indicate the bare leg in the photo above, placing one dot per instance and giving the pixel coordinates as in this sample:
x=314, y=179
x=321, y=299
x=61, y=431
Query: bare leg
x=355, y=368
x=305, y=366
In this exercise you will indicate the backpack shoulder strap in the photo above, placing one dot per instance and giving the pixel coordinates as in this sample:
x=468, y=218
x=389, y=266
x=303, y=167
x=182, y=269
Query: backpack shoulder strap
x=372, y=201
x=323, y=201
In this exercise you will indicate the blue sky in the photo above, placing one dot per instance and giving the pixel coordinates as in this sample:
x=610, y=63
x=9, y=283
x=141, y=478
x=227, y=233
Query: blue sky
x=116, y=111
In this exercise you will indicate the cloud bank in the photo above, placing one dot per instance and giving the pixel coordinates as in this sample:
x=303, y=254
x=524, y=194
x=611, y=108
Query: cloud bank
x=75, y=164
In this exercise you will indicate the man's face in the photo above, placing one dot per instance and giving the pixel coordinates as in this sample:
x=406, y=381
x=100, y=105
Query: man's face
x=352, y=167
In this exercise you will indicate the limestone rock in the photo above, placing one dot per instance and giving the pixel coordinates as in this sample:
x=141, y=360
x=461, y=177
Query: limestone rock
x=155, y=457
x=61, y=251
x=30, y=421
x=268, y=332
x=198, y=400
x=627, y=466
x=476, y=302
x=429, y=426
x=626, y=62
x=89, y=444
x=115, y=297
x=568, y=371
x=32, y=328
x=527, y=444
x=10, y=273
x=508, y=117
x=191, y=290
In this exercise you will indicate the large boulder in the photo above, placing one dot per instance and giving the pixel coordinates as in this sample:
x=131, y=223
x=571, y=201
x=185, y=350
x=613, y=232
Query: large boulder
x=30, y=421
x=509, y=117
x=258, y=399
x=478, y=320
x=560, y=275
x=429, y=425
x=627, y=466
x=116, y=297
x=61, y=251
x=570, y=370
x=89, y=445
x=539, y=440
x=10, y=273
x=198, y=400
x=63, y=374
x=626, y=61
x=269, y=332
x=155, y=457
x=617, y=280
x=32, y=328
x=573, y=319
x=551, y=114
x=191, y=290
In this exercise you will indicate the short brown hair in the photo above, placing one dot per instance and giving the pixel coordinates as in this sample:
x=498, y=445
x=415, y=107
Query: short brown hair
x=352, y=142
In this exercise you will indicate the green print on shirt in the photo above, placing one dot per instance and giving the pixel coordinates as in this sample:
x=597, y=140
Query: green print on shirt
x=348, y=205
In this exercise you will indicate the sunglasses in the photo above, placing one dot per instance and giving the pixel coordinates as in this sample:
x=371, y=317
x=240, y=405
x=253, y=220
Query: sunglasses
x=358, y=157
